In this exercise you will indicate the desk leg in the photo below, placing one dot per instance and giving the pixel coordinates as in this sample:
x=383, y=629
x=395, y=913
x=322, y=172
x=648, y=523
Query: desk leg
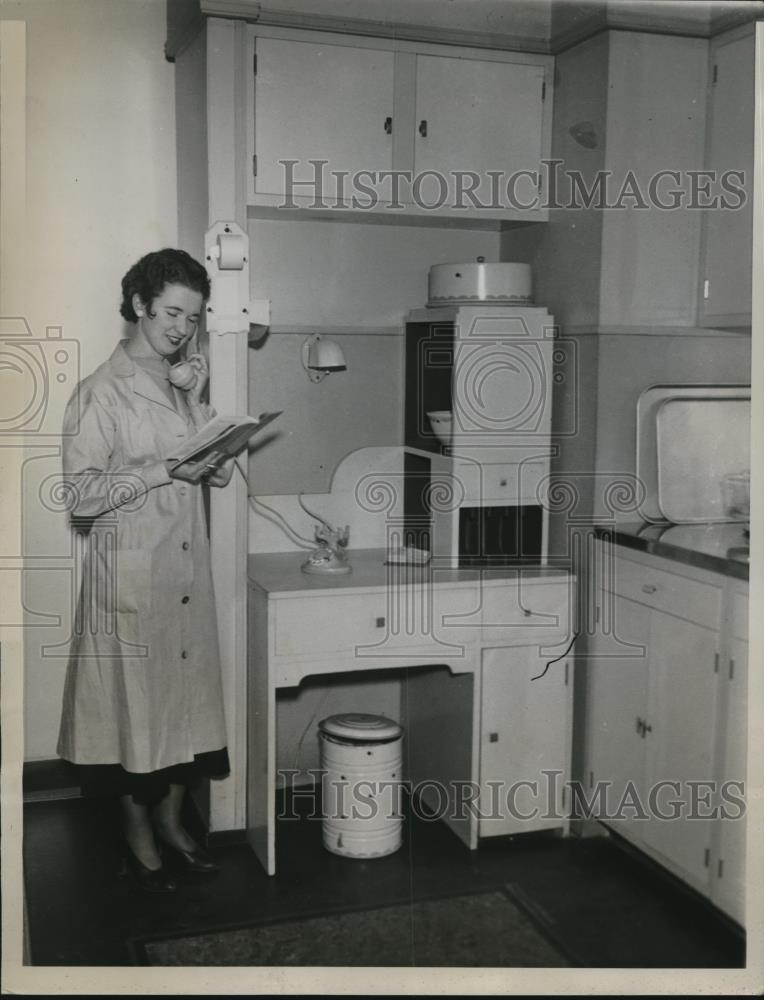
x=441, y=714
x=261, y=738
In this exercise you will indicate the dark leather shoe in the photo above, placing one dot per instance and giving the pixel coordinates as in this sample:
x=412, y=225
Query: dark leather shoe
x=196, y=862
x=149, y=879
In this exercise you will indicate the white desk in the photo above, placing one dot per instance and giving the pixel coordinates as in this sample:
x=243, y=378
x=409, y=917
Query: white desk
x=493, y=629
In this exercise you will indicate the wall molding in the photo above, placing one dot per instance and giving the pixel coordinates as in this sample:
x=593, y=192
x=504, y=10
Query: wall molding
x=185, y=16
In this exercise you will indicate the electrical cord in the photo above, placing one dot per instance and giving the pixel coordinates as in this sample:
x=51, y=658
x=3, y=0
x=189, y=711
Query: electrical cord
x=273, y=515
x=557, y=658
x=311, y=720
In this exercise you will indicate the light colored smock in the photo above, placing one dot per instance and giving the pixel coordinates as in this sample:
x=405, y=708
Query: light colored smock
x=143, y=682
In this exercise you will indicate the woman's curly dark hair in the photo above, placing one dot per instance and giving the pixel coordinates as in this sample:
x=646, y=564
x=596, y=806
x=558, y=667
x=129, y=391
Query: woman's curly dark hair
x=148, y=277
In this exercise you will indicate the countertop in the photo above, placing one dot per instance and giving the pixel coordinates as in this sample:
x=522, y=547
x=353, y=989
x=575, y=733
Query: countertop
x=279, y=574
x=720, y=548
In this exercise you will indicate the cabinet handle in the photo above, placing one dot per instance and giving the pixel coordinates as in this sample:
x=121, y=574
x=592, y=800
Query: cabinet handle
x=423, y=128
x=649, y=588
x=732, y=669
x=642, y=727
x=493, y=737
x=389, y=125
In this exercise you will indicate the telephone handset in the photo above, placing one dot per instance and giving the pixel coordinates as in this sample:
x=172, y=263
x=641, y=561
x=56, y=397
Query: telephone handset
x=183, y=374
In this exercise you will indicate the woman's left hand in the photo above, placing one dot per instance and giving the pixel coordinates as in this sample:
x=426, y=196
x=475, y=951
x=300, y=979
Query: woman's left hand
x=199, y=362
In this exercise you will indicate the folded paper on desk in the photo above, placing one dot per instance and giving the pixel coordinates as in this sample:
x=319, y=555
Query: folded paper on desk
x=220, y=439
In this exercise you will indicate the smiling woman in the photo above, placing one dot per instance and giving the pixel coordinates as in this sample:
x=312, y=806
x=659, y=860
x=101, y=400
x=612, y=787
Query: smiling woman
x=142, y=713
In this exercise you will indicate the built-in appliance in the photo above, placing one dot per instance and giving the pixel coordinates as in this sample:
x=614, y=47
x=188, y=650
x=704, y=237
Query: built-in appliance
x=477, y=494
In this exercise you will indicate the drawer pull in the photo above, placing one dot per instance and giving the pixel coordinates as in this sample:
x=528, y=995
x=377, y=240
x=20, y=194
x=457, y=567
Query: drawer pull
x=502, y=482
x=380, y=622
x=649, y=588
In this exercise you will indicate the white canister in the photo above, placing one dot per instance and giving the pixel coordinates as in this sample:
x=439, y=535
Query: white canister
x=479, y=282
x=361, y=787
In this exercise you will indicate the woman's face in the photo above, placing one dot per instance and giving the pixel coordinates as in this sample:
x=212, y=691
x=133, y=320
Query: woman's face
x=171, y=319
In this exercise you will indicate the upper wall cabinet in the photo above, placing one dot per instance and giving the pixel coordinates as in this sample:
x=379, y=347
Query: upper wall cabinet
x=479, y=129
x=377, y=126
x=725, y=299
x=318, y=102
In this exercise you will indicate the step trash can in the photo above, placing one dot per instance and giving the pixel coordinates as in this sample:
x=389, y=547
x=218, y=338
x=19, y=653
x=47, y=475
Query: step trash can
x=360, y=756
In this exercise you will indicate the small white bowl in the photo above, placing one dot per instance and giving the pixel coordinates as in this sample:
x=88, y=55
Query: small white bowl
x=441, y=422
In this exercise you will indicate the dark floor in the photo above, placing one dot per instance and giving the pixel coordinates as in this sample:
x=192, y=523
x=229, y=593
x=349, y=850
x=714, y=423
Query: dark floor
x=600, y=903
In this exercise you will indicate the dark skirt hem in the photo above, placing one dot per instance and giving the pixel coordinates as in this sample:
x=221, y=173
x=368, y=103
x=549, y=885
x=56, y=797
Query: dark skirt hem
x=148, y=788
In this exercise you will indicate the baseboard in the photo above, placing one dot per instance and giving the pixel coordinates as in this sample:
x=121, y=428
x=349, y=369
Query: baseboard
x=49, y=780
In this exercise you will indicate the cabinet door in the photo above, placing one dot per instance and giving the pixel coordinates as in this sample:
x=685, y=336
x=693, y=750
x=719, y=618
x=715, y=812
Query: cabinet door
x=681, y=718
x=478, y=115
x=316, y=101
x=728, y=234
x=524, y=731
x=616, y=707
x=729, y=874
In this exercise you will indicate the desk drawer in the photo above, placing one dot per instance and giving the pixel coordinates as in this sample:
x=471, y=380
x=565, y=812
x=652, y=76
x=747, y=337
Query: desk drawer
x=401, y=618
x=506, y=483
x=676, y=595
x=527, y=615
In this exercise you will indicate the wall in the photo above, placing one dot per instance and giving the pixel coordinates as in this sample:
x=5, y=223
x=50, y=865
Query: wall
x=101, y=191
x=566, y=253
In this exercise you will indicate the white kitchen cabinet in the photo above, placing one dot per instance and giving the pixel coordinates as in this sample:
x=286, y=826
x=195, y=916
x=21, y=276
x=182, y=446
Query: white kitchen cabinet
x=681, y=714
x=320, y=102
x=616, y=710
x=525, y=738
x=369, y=106
x=475, y=115
x=728, y=874
x=674, y=723
x=728, y=234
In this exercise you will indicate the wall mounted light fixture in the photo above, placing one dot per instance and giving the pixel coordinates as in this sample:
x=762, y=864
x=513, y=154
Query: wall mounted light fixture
x=321, y=356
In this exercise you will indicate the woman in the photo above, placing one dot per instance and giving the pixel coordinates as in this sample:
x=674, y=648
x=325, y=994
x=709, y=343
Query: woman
x=142, y=711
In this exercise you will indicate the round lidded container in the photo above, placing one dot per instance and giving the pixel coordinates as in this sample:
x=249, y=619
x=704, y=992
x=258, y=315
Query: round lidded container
x=478, y=283
x=361, y=786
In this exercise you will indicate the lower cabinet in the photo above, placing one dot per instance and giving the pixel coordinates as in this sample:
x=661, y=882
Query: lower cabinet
x=679, y=742
x=728, y=873
x=665, y=711
x=525, y=739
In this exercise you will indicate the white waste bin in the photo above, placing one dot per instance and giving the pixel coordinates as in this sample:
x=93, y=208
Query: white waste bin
x=361, y=785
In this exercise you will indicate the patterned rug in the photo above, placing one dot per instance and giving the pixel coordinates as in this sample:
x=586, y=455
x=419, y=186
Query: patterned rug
x=485, y=929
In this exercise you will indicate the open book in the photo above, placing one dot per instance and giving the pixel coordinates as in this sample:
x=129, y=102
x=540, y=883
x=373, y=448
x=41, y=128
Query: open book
x=220, y=439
